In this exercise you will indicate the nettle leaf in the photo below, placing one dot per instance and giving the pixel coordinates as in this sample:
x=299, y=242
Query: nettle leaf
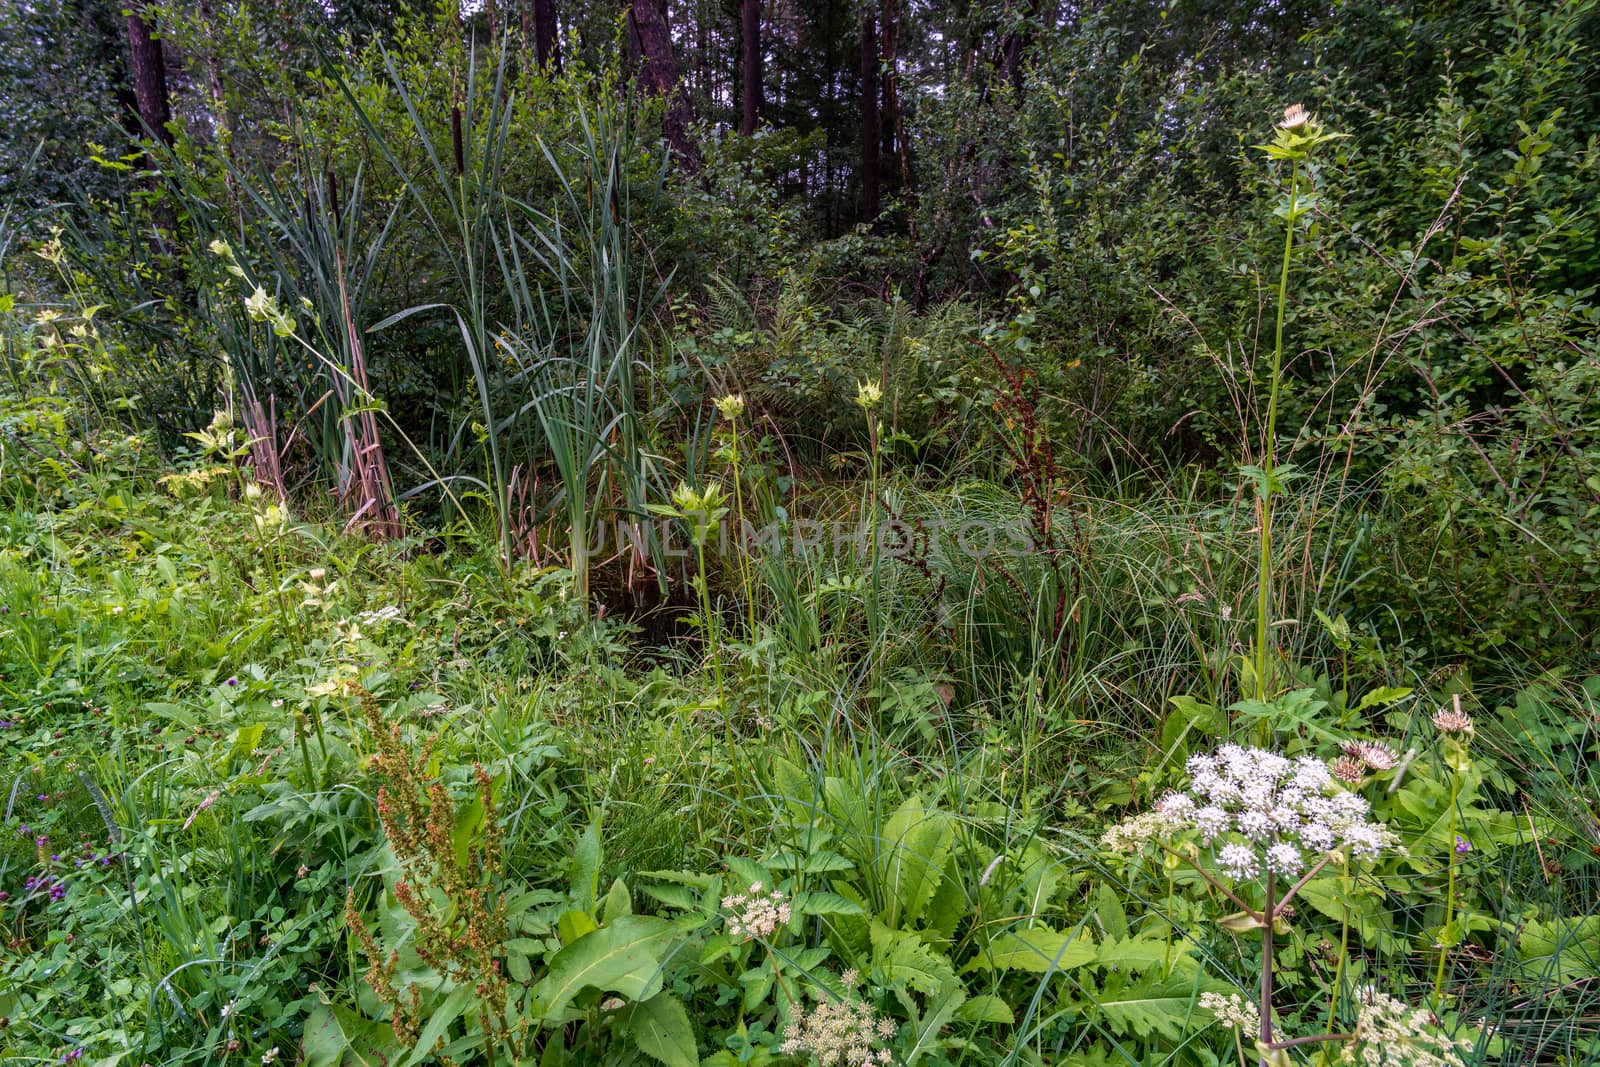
x=1038, y=950
x=660, y=1027
x=917, y=843
x=623, y=957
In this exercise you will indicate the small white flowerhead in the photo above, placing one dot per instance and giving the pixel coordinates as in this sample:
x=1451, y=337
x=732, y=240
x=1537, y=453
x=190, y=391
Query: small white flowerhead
x=1237, y=861
x=756, y=914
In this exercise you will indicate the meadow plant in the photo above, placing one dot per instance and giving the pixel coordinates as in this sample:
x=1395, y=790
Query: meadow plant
x=1258, y=818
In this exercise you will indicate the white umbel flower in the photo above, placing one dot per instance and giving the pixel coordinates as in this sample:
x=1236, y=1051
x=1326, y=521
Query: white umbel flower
x=1262, y=812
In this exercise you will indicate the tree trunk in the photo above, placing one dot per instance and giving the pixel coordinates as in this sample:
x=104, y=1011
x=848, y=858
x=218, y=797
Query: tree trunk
x=871, y=128
x=546, y=41
x=1016, y=46
x=750, y=15
x=149, y=73
x=658, y=73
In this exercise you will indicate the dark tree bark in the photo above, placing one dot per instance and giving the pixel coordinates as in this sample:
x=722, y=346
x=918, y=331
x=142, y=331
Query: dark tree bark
x=750, y=17
x=149, y=73
x=658, y=73
x=893, y=118
x=1015, y=46
x=546, y=41
x=871, y=127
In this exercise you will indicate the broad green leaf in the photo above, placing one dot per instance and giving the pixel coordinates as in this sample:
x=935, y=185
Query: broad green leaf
x=323, y=1042
x=1153, y=1006
x=901, y=956
x=1383, y=696
x=985, y=1008
x=1108, y=906
x=438, y=1024
x=586, y=868
x=1564, y=950
x=660, y=1027
x=916, y=842
x=623, y=957
x=1037, y=950
x=816, y=902
x=618, y=902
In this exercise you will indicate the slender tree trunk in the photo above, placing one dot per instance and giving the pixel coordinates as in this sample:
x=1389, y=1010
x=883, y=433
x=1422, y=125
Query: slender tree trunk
x=149, y=73
x=871, y=128
x=658, y=73
x=1015, y=46
x=546, y=34
x=750, y=16
x=893, y=117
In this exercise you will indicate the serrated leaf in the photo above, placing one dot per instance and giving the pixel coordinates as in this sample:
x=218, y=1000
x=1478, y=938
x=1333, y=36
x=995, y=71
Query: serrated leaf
x=901, y=956
x=917, y=841
x=1037, y=950
x=1152, y=1006
x=817, y=902
x=1383, y=696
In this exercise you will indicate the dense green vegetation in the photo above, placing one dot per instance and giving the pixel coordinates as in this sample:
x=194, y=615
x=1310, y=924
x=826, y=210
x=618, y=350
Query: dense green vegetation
x=1040, y=549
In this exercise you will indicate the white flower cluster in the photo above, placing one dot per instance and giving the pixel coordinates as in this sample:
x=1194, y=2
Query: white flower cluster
x=387, y=613
x=1391, y=1033
x=1261, y=811
x=755, y=913
x=1233, y=1011
x=840, y=1033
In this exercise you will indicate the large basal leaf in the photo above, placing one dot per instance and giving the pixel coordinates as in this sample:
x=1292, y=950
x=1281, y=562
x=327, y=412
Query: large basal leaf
x=916, y=843
x=1564, y=950
x=901, y=956
x=623, y=957
x=660, y=1027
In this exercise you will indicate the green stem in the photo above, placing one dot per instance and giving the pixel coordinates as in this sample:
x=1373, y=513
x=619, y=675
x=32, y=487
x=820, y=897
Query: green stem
x=1266, y=972
x=1264, y=580
x=1450, y=888
x=738, y=533
x=1338, y=969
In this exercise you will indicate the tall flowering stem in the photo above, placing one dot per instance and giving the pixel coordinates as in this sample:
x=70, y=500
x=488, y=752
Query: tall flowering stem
x=731, y=407
x=1456, y=726
x=1296, y=136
